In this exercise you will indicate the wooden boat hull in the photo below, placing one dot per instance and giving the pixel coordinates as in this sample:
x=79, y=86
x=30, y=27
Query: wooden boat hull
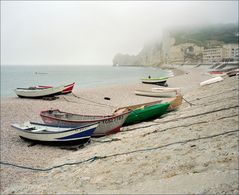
x=38, y=93
x=38, y=132
x=146, y=113
x=107, y=124
x=175, y=102
x=67, y=88
x=135, y=106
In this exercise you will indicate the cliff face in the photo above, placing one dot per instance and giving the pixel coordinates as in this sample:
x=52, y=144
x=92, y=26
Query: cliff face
x=181, y=46
x=151, y=55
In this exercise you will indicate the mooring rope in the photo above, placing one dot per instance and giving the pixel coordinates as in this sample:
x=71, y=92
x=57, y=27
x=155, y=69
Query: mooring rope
x=94, y=158
x=93, y=101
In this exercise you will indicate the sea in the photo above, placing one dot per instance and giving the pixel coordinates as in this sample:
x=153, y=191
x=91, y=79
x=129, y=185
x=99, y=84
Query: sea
x=84, y=76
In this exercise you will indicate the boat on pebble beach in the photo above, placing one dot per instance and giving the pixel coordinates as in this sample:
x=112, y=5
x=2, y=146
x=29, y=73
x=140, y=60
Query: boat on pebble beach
x=211, y=81
x=43, y=91
x=175, y=102
x=52, y=134
x=159, y=81
x=108, y=124
x=67, y=88
x=146, y=113
x=155, y=93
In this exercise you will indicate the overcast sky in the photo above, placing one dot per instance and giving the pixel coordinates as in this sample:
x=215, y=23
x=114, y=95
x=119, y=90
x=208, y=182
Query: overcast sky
x=92, y=32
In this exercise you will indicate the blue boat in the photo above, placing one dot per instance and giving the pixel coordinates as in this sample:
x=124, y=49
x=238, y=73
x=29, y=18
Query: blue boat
x=52, y=134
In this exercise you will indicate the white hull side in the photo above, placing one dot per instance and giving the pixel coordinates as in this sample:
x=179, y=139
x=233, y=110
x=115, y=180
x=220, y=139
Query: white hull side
x=38, y=92
x=210, y=81
x=110, y=125
x=155, y=93
x=53, y=136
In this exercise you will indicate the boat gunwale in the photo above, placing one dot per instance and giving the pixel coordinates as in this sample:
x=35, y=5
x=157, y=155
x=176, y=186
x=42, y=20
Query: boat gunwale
x=52, y=132
x=104, y=117
x=155, y=78
x=152, y=107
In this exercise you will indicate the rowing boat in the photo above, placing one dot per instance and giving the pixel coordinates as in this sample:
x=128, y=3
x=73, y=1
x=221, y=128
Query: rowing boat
x=39, y=92
x=146, y=113
x=52, y=134
x=166, y=89
x=160, y=81
x=107, y=124
x=155, y=93
x=67, y=88
x=211, y=81
x=175, y=102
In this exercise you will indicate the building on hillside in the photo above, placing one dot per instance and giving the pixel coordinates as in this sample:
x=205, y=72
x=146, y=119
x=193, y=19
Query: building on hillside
x=231, y=52
x=226, y=53
x=213, y=55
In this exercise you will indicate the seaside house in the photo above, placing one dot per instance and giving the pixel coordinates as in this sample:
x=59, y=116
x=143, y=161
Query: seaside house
x=226, y=52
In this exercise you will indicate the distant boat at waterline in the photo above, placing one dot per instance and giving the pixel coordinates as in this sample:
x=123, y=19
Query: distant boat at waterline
x=159, y=81
x=39, y=92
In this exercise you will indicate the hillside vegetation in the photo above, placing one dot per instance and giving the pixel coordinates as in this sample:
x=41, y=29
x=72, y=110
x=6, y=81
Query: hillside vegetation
x=201, y=35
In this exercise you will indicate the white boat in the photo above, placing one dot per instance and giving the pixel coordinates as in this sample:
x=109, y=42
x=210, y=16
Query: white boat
x=165, y=89
x=54, y=134
x=210, y=81
x=158, y=93
x=33, y=92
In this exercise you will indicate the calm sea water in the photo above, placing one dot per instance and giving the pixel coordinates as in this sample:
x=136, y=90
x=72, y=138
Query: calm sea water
x=84, y=76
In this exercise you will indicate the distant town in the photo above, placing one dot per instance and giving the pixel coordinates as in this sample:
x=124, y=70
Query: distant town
x=190, y=53
x=208, y=45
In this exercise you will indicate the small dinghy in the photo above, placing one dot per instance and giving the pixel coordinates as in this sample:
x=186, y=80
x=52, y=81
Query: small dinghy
x=108, y=124
x=43, y=91
x=155, y=93
x=159, y=81
x=146, y=113
x=67, y=88
x=166, y=89
x=210, y=81
x=175, y=102
x=53, y=134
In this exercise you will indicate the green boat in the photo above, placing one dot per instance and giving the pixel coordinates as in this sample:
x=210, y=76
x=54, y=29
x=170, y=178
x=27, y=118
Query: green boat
x=146, y=113
x=150, y=80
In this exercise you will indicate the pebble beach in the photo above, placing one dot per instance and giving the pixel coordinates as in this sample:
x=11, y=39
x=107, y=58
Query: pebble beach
x=193, y=150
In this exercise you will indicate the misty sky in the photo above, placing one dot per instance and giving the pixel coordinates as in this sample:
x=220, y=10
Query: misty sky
x=92, y=32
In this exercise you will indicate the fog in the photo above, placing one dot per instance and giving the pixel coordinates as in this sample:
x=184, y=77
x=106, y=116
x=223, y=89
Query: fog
x=92, y=32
